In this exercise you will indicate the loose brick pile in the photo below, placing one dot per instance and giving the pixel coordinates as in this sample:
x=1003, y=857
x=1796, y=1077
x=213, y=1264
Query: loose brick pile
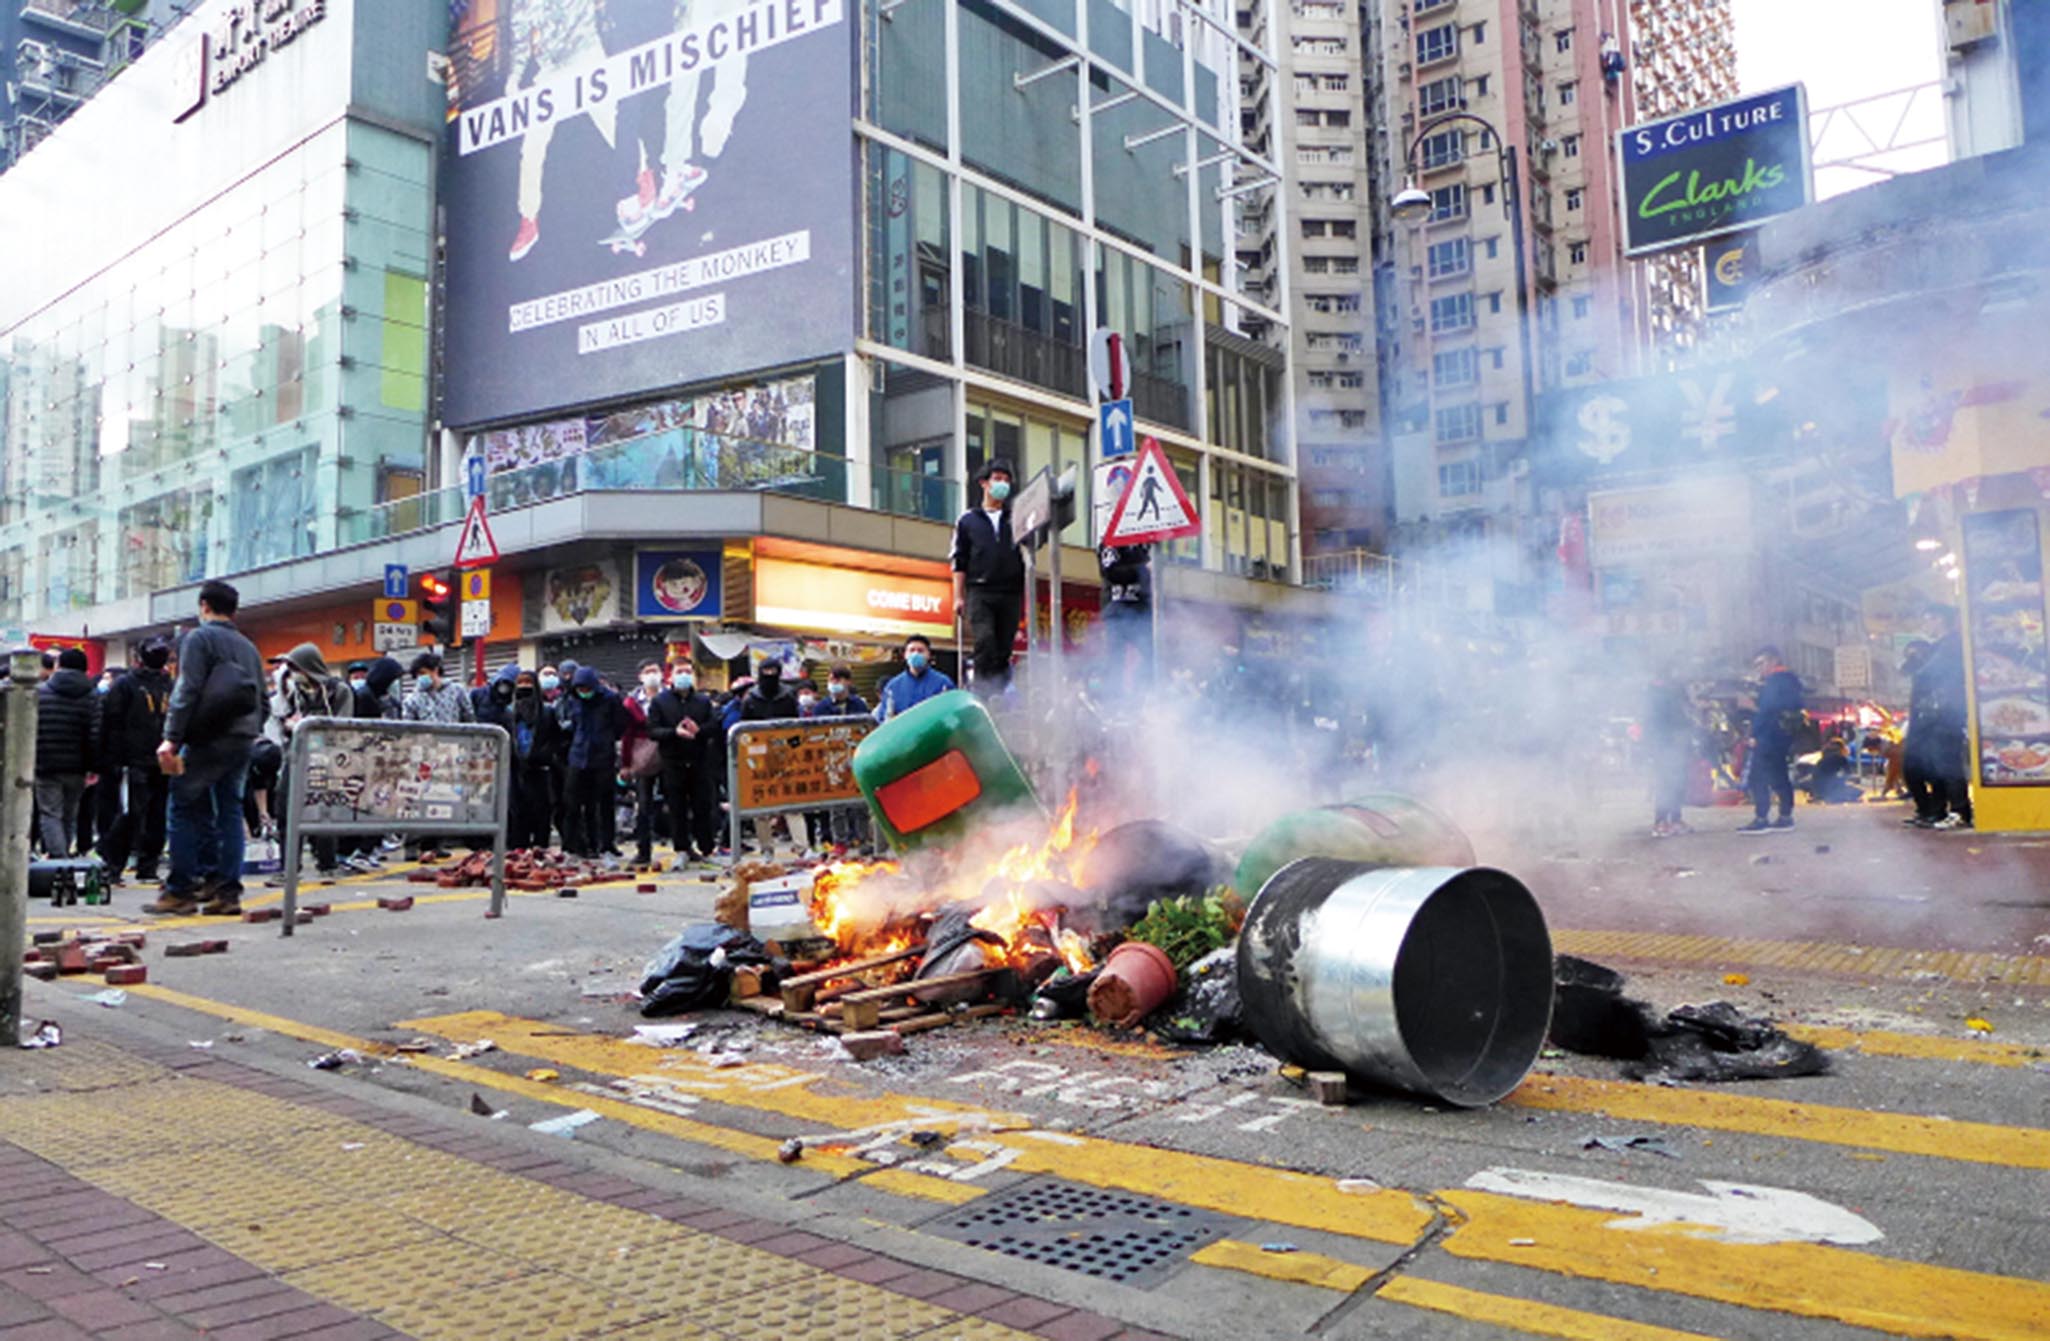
x=528, y=869
x=63, y=953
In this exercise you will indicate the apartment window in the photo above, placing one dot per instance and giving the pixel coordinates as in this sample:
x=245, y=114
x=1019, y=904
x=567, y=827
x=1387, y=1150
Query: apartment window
x=1337, y=120
x=1458, y=423
x=1426, y=6
x=1448, y=202
x=1569, y=92
x=1351, y=381
x=1319, y=381
x=1501, y=409
x=1319, y=46
x=1454, y=256
x=1347, y=228
x=1456, y=367
x=1314, y=227
x=1582, y=305
x=1575, y=198
x=1307, y=118
x=1316, y=9
x=1563, y=39
x=1339, y=153
x=1580, y=364
x=1570, y=146
x=1480, y=86
x=1305, y=85
x=1437, y=44
x=1315, y=265
x=1495, y=303
x=1337, y=83
x=1478, y=33
x=1487, y=193
x=1454, y=312
x=1345, y=265
x=1444, y=148
x=1576, y=252
x=1440, y=95
x=1492, y=247
x=1495, y=358
x=1458, y=479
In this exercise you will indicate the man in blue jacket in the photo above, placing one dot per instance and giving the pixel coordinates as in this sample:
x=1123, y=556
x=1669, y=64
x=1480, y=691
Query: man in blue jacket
x=1772, y=742
x=595, y=718
x=917, y=682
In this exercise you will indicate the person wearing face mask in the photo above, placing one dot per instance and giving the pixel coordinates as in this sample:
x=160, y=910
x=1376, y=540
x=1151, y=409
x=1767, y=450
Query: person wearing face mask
x=549, y=683
x=131, y=724
x=770, y=700
x=641, y=761
x=536, y=737
x=358, y=676
x=595, y=720
x=307, y=689
x=434, y=698
x=67, y=744
x=848, y=825
x=917, y=683
x=681, y=722
x=989, y=577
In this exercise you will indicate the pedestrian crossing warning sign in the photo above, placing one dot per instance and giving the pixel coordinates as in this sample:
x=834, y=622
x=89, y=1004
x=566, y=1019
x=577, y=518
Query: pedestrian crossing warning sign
x=1154, y=505
x=476, y=547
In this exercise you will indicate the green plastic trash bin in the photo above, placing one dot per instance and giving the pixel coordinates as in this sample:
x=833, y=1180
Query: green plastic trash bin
x=934, y=772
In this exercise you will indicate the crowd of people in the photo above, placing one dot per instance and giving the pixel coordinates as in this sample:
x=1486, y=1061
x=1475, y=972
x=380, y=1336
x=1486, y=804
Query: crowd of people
x=1928, y=762
x=190, y=749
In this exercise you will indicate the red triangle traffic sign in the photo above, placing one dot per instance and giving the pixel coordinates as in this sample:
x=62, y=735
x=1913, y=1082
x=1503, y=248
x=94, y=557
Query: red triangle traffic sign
x=476, y=548
x=1154, y=505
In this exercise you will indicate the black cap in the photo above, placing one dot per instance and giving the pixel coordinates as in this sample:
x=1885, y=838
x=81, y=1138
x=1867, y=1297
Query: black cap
x=358, y=668
x=992, y=466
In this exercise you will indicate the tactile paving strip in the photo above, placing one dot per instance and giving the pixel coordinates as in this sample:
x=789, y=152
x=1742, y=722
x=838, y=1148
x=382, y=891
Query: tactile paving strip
x=1092, y=1231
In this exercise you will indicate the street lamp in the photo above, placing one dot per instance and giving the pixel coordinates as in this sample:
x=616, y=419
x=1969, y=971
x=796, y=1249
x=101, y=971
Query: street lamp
x=1412, y=205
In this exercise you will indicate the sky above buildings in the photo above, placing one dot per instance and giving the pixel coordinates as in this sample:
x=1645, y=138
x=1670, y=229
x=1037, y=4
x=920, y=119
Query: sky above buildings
x=1848, y=51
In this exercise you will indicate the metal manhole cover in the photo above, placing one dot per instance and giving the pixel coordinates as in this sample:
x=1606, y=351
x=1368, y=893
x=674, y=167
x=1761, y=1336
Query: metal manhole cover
x=1091, y=1231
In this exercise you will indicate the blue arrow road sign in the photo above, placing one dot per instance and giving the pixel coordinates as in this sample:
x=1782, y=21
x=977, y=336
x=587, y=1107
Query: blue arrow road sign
x=473, y=476
x=1114, y=417
x=396, y=579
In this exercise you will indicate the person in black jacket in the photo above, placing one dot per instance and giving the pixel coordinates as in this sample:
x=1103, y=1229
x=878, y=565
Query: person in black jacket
x=682, y=723
x=537, y=753
x=215, y=715
x=131, y=724
x=1944, y=726
x=989, y=578
x=67, y=747
x=1127, y=573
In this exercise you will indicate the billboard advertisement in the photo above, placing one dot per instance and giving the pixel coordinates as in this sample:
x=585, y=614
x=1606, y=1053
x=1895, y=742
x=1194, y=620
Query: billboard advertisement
x=640, y=195
x=1714, y=169
x=678, y=583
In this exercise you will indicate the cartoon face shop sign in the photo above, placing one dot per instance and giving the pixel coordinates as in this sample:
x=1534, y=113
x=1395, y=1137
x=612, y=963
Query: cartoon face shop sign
x=1714, y=170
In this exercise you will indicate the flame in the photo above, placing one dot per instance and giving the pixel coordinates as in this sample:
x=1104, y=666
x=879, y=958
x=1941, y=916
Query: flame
x=1029, y=930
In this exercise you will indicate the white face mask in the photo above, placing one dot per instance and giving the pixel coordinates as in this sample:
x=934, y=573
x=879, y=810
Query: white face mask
x=651, y=681
x=806, y=700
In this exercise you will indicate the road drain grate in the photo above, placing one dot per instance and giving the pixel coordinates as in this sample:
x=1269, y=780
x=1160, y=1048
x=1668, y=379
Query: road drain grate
x=1109, y=1235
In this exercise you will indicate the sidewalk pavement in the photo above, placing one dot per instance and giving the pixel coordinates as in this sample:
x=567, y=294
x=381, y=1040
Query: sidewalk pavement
x=156, y=1193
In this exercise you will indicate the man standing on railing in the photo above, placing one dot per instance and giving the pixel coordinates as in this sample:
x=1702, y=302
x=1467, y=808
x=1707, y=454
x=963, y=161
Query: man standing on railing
x=989, y=578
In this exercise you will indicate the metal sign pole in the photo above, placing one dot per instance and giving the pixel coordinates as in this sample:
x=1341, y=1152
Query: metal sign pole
x=18, y=740
x=295, y=841
x=504, y=815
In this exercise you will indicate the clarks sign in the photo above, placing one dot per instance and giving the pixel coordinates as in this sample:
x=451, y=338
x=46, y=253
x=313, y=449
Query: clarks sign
x=1714, y=170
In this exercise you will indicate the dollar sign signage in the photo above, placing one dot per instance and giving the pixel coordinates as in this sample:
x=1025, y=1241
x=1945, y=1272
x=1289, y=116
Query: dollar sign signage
x=1605, y=434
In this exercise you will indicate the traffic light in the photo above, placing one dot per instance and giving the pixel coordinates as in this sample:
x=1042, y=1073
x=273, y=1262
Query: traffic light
x=438, y=610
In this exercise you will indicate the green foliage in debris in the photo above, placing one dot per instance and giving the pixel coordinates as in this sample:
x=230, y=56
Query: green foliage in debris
x=1187, y=928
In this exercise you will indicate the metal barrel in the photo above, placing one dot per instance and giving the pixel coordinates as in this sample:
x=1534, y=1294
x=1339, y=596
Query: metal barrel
x=1382, y=829
x=1433, y=979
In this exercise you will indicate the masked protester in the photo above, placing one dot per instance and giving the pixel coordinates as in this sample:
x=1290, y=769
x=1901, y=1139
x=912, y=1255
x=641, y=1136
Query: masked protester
x=918, y=682
x=595, y=720
x=683, y=725
x=307, y=688
x=989, y=577
x=131, y=724
x=67, y=745
x=434, y=698
x=647, y=787
x=536, y=737
x=848, y=825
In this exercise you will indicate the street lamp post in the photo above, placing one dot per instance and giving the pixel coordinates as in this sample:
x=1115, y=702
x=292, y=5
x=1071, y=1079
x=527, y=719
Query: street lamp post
x=1412, y=205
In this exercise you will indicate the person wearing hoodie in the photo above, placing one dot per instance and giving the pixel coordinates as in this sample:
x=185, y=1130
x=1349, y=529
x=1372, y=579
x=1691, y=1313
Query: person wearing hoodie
x=67, y=746
x=131, y=724
x=536, y=752
x=595, y=720
x=555, y=683
x=492, y=703
x=375, y=697
x=307, y=689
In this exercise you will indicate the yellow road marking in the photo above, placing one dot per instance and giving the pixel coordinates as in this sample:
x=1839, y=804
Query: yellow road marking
x=1896, y=1133
x=1921, y=1047
x=1860, y=961
x=1806, y=1279
x=1525, y=1315
x=1388, y=1216
x=1298, y=1268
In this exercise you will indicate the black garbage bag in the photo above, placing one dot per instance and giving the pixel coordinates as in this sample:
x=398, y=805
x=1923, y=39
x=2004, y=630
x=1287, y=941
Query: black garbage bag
x=1136, y=864
x=1719, y=1042
x=1064, y=996
x=1591, y=1015
x=696, y=969
x=1207, y=1010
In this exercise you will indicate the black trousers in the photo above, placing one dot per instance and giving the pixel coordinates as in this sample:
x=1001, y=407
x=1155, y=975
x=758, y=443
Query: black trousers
x=1769, y=778
x=138, y=829
x=993, y=631
x=588, y=825
x=531, y=807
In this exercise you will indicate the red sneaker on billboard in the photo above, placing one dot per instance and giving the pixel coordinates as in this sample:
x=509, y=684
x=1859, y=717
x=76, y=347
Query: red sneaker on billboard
x=524, y=240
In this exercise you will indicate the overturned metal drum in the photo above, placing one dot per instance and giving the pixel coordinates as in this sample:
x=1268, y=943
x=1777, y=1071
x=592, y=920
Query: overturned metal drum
x=1433, y=979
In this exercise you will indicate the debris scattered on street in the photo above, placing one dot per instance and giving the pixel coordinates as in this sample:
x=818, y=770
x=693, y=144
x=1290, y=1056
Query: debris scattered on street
x=336, y=1060
x=662, y=1035
x=790, y=1151
x=1623, y=1145
x=1715, y=1042
x=1523, y=1243
x=113, y=996
x=481, y=1108
x=201, y=1043
x=46, y=1034
x=1978, y=1025
x=544, y=1074
x=1279, y=1248
x=566, y=1125
x=1736, y=980
x=464, y=1051
x=353, y=1145
x=1358, y=1186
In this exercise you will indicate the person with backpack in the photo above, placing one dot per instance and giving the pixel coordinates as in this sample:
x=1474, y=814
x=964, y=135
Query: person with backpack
x=214, y=716
x=131, y=724
x=67, y=746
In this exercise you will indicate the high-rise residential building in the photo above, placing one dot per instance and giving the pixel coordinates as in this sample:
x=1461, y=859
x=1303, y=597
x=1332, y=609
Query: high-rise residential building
x=54, y=54
x=1317, y=135
x=1681, y=56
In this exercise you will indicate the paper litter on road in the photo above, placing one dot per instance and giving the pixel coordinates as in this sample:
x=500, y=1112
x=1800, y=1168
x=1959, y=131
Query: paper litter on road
x=1623, y=1145
x=566, y=1125
x=113, y=996
x=465, y=1051
x=662, y=1035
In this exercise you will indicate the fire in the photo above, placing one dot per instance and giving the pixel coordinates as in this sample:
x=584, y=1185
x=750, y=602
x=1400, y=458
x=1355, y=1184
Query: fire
x=864, y=921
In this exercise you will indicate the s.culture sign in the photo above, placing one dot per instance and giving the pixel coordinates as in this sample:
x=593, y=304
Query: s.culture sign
x=1713, y=170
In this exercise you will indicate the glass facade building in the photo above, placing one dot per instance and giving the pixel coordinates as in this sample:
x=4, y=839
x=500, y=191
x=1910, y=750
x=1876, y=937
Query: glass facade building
x=214, y=313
